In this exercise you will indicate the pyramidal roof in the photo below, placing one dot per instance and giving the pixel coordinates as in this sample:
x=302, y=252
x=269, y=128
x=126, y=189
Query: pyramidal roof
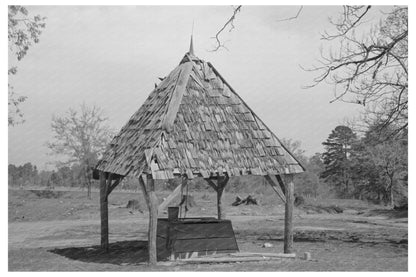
x=194, y=123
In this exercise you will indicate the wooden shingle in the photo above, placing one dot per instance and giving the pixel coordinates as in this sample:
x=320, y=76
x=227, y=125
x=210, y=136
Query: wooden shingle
x=194, y=123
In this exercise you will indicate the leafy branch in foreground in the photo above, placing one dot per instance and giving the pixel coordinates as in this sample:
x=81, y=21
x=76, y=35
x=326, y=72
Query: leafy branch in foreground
x=23, y=31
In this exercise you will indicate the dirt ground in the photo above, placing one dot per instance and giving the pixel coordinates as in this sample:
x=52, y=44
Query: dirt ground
x=60, y=231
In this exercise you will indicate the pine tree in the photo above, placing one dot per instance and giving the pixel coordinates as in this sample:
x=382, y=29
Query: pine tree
x=337, y=159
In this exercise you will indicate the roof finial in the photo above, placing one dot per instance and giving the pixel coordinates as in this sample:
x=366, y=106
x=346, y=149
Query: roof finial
x=191, y=47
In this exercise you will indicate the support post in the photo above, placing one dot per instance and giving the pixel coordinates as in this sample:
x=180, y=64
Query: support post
x=220, y=212
x=219, y=188
x=149, y=193
x=104, y=211
x=288, y=233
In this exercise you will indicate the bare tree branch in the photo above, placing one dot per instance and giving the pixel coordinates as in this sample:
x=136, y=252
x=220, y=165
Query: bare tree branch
x=293, y=17
x=352, y=17
x=371, y=71
x=229, y=23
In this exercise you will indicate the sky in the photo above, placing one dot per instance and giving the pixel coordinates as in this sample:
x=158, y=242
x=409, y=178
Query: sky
x=111, y=57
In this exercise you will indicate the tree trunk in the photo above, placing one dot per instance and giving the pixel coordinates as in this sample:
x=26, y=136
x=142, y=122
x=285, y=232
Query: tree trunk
x=288, y=233
x=391, y=192
x=347, y=189
x=391, y=197
x=104, y=211
x=89, y=190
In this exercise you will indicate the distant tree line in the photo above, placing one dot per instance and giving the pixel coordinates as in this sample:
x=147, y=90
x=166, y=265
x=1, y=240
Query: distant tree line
x=23, y=175
x=372, y=167
x=29, y=175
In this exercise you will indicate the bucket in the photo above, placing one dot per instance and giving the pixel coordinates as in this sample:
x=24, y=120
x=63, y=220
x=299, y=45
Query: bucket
x=173, y=213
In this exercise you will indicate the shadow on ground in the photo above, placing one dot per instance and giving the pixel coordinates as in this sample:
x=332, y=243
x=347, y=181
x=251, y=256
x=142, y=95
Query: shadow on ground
x=389, y=213
x=120, y=253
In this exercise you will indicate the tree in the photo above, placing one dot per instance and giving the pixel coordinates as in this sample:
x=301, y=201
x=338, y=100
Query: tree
x=23, y=31
x=369, y=66
x=384, y=162
x=294, y=147
x=81, y=136
x=366, y=61
x=390, y=158
x=54, y=180
x=337, y=159
x=23, y=174
x=366, y=176
x=307, y=182
x=316, y=166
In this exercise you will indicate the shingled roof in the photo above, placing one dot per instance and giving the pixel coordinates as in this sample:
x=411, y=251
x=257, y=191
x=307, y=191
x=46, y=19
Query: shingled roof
x=194, y=123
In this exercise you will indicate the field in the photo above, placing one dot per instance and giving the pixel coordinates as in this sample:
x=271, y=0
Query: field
x=60, y=231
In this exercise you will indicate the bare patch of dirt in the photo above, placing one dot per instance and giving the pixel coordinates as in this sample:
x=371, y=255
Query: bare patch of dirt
x=63, y=233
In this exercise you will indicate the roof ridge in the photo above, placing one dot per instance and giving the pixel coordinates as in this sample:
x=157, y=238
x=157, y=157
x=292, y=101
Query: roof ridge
x=176, y=95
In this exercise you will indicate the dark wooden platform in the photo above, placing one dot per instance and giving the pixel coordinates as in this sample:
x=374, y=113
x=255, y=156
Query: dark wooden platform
x=194, y=237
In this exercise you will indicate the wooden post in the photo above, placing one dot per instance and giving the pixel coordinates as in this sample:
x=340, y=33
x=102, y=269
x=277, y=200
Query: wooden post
x=288, y=234
x=104, y=211
x=219, y=188
x=153, y=201
x=220, y=212
x=149, y=193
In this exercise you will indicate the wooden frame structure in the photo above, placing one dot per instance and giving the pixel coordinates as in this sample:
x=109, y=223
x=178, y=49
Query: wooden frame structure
x=195, y=125
x=108, y=182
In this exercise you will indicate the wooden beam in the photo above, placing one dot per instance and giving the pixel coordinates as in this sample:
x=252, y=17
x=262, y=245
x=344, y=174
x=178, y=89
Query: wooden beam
x=219, y=186
x=153, y=204
x=104, y=211
x=211, y=183
x=221, y=183
x=170, y=198
x=184, y=182
x=288, y=233
x=281, y=183
x=142, y=182
x=226, y=259
x=275, y=186
x=113, y=185
x=276, y=255
x=148, y=187
x=176, y=98
x=220, y=210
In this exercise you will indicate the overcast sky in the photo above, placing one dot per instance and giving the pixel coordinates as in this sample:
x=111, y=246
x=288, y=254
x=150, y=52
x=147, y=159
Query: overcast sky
x=112, y=56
